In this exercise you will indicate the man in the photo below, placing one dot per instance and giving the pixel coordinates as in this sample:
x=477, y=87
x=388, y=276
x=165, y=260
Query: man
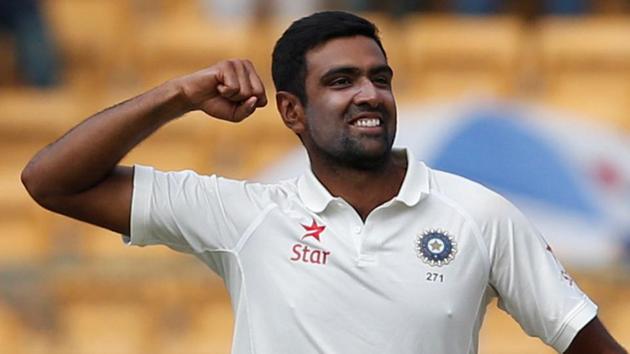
x=368, y=252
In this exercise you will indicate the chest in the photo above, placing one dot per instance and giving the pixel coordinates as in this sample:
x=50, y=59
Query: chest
x=424, y=261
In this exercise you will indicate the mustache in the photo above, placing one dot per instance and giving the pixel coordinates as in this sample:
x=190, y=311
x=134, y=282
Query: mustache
x=357, y=109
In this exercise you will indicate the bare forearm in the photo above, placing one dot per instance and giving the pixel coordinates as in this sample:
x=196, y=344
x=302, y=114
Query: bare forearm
x=89, y=152
x=78, y=175
x=594, y=338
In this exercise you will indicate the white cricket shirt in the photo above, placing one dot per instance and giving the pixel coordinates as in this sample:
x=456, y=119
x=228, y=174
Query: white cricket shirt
x=306, y=275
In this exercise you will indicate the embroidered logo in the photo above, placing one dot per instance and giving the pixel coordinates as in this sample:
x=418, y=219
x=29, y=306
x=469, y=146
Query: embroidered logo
x=313, y=231
x=435, y=247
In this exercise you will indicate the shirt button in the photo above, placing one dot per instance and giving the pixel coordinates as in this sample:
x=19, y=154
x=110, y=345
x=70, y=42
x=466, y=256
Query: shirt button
x=356, y=229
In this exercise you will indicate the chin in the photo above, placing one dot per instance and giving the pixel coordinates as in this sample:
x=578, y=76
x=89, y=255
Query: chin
x=367, y=159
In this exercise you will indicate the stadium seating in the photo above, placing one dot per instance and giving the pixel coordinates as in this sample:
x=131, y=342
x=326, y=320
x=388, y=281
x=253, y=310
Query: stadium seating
x=451, y=57
x=179, y=38
x=12, y=331
x=585, y=65
x=105, y=328
x=95, y=39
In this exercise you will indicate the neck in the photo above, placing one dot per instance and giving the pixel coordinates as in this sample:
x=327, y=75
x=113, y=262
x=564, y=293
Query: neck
x=363, y=189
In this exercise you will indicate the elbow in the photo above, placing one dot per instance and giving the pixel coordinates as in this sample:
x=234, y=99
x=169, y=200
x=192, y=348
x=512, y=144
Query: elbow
x=29, y=180
x=34, y=184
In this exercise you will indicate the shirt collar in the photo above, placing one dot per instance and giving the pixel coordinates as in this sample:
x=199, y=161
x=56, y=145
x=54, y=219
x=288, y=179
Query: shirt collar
x=415, y=185
x=313, y=194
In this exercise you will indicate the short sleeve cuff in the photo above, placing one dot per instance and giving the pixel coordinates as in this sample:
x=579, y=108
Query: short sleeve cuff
x=140, y=206
x=577, y=319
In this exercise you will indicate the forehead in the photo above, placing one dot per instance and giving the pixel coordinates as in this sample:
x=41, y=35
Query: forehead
x=357, y=51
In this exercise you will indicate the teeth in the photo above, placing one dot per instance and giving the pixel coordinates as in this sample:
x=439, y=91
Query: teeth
x=368, y=122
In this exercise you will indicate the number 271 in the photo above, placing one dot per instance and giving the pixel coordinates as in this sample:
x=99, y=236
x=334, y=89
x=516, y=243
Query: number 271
x=435, y=277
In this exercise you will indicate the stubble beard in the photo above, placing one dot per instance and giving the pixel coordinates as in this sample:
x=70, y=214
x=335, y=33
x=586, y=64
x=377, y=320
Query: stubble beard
x=351, y=154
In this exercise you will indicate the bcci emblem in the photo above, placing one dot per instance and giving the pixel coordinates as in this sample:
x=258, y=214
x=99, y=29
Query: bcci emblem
x=435, y=247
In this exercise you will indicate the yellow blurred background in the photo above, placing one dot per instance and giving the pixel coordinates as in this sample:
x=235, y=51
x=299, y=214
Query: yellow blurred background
x=67, y=288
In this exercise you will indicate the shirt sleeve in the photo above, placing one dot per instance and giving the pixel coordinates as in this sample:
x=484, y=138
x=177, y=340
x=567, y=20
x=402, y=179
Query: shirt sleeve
x=188, y=212
x=532, y=285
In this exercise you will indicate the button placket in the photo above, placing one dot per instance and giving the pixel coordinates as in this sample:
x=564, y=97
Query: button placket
x=367, y=256
x=356, y=237
x=352, y=224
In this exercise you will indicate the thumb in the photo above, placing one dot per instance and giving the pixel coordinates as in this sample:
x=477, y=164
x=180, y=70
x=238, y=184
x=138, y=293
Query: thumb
x=245, y=109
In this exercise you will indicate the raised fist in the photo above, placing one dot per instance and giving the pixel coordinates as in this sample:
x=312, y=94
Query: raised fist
x=230, y=90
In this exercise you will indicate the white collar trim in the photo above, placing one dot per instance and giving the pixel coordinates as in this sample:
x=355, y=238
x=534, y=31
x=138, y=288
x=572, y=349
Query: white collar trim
x=415, y=185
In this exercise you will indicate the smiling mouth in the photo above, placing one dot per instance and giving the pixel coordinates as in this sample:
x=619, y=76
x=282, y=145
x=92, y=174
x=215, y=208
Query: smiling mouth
x=367, y=122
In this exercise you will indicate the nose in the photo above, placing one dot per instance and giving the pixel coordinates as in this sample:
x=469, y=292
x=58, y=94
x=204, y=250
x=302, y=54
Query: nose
x=367, y=94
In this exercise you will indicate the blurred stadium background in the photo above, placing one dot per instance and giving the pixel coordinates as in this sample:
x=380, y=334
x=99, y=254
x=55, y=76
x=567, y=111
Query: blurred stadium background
x=523, y=74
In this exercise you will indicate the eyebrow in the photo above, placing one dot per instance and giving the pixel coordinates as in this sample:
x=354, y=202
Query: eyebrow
x=353, y=70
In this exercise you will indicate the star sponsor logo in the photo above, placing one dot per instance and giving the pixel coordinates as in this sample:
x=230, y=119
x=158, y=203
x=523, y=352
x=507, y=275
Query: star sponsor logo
x=435, y=247
x=313, y=230
x=302, y=253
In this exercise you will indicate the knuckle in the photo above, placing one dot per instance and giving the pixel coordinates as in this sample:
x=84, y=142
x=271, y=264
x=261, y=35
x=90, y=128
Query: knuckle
x=230, y=91
x=246, y=90
x=228, y=64
x=238, y=63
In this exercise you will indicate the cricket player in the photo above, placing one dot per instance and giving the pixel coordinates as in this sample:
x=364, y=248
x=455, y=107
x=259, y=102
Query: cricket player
x=369, y=251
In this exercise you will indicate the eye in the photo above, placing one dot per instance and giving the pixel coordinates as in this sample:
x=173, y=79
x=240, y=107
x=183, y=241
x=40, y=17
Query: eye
x=382, y=80
x=340, y=81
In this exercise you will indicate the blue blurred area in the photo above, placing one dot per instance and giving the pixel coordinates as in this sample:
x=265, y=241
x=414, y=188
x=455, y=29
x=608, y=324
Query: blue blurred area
x=501, y=152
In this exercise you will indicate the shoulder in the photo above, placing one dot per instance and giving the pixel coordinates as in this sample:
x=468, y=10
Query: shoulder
x=500, y=225
x=265, y=192
x=189, y=181
x=471, y=198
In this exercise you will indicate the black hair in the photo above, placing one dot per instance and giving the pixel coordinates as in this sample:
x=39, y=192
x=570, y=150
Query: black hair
x=288, y=66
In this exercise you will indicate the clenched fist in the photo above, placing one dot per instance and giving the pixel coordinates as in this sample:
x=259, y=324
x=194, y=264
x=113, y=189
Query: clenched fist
x=230, y=90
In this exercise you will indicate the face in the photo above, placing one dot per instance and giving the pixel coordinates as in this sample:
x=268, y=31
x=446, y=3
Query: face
x=350, y=115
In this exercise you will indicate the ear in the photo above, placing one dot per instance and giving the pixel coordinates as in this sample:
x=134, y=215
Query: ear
x=291, y=110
